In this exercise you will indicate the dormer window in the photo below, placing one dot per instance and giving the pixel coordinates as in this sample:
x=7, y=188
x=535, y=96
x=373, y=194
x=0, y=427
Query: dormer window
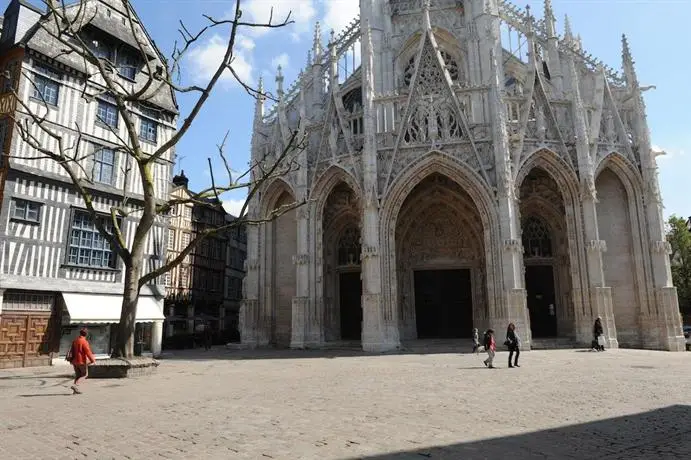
x=120, y=56
x=127, y=65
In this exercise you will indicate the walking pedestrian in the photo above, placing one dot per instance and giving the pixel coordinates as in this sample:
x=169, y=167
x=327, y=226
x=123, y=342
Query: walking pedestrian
x=599, y=334
x=80, y=356
x=490, y=347
x=476, y=341
x=514, y=344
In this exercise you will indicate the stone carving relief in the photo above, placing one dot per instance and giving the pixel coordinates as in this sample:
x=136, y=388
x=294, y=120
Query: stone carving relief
x=539, y=183
x=341, y=200
x=438, y=227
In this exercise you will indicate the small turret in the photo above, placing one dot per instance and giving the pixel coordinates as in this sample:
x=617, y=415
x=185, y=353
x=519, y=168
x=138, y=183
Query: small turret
x=550, y=20
x=181, y=180
x=317, y=46
x=259, y=103
x=279, y=82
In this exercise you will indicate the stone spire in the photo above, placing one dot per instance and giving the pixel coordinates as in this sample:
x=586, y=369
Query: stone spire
x=259, y=103
x=317, y=46
x=568, y=35
x=628, y=63
x=550, y=19
x=279, y=82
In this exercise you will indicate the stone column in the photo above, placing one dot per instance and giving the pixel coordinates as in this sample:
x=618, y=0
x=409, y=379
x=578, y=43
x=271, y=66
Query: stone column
x=510, y=306
x=156, y=338
x=303, y=317
x=252, y=320
x=379, y=323
x=600, y=295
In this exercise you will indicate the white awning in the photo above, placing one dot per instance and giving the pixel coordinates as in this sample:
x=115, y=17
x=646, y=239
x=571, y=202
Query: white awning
x=105, y=309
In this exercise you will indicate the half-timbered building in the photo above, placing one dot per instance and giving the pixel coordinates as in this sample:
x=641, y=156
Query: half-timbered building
x=467, y=165
x=56, y=272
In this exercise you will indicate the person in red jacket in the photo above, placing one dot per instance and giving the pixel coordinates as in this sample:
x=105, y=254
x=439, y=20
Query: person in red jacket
x=490, y=348
x=80, y=356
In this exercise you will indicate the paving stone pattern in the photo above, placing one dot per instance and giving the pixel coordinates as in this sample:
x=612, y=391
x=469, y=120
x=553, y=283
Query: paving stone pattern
x=224, y=404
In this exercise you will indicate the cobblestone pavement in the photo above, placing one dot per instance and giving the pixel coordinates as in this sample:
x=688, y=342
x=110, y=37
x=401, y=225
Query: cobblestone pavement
x=341, y=405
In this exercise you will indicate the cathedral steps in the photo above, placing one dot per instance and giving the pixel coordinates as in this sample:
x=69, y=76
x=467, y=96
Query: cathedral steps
x=554, y=343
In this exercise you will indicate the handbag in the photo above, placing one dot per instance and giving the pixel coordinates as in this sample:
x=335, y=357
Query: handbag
x=601, y=340
x=507, y=343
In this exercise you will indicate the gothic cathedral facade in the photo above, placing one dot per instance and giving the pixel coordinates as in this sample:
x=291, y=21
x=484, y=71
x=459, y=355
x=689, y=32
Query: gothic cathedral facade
x=464, y=166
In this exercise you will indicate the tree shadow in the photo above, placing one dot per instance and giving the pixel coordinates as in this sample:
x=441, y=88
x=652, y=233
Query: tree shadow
x=660, y=434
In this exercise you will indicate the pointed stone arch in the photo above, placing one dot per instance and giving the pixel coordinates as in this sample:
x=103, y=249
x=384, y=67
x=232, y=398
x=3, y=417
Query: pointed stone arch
x=271, y=194
x=279, y=281
x=326, y=275
x=562, y=210
x=621, y=224
x=472, y=184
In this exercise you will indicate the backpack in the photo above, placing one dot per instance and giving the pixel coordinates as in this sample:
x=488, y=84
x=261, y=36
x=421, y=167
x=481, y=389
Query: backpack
x=487, y=340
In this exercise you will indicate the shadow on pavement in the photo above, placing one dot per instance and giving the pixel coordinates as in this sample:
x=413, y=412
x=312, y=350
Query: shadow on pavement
x=660, y=434
x=39, y=395
x=330, y=352
x=36, y=377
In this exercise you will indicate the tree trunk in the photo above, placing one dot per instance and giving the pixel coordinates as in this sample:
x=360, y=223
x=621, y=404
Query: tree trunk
x=124, y=344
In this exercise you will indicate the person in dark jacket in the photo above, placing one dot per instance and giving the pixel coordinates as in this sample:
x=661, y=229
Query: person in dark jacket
x=598, y=331
x=514, y=344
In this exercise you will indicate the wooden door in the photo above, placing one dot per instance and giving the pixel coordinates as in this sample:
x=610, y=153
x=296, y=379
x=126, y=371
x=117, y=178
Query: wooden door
x=23, y=339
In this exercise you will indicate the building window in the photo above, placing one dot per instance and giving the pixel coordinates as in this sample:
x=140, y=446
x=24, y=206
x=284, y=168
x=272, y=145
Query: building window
x=127, y=65
x=536, y=238
x=28, y=211
x=188, y=212
x=45, y=89
x=104, y=165
x=166, y=279
x=171, y=239
x=107, y=114
x=148, y=127
x=87, y=247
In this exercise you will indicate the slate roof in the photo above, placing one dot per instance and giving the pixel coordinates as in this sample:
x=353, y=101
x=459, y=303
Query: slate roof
x=94, y=14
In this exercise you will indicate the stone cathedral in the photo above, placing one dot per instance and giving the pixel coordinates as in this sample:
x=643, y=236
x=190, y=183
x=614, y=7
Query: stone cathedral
x=464, y=165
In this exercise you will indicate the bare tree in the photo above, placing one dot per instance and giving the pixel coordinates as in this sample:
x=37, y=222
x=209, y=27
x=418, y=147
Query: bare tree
x=66, y=25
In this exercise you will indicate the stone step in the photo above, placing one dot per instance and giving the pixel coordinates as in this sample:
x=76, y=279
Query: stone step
x=555, y=343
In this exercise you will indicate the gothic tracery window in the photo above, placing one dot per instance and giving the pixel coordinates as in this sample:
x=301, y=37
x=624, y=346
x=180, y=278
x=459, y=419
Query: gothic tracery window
x=349, y=247
x=449, y=62
x=537, y=240
x=433, y=115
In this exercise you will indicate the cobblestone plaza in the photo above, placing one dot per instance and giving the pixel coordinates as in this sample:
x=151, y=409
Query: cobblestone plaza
x=343, y=405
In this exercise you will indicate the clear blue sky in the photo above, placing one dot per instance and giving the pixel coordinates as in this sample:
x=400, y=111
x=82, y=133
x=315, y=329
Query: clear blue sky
x=658, y=31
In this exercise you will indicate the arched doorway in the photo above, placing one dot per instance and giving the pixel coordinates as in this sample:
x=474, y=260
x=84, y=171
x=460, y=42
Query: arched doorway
x=440, y=261
x=546, y=256
x=283, y=233
x=616, y=228
x=342, y=283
